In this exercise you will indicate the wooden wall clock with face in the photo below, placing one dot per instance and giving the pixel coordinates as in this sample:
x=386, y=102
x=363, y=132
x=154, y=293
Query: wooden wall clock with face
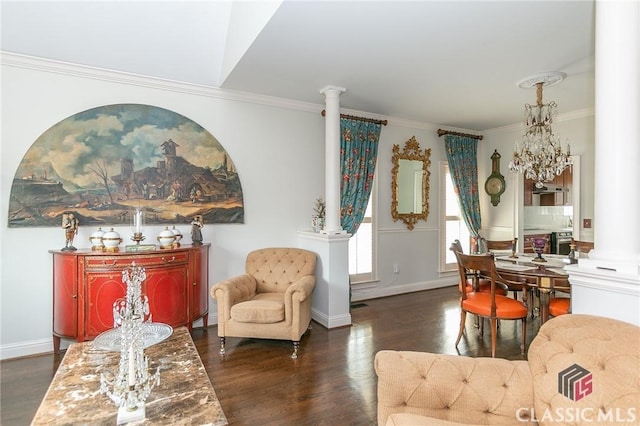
x=495, y=184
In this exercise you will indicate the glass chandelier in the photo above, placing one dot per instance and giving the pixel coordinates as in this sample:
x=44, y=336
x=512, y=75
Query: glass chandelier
x=539, y=155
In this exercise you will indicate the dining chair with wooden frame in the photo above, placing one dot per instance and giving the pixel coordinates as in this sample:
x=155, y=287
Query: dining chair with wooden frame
x=488, y=246
x=582, y=246
x=560, y=305
x=499, y=244
x=482, y=284
x=487, y=305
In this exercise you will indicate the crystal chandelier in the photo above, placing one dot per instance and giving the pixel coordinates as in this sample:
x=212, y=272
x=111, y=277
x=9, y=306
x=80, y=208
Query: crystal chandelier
x=539, y=155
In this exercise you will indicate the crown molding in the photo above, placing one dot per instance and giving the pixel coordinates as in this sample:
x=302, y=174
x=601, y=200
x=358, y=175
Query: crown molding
x=100, y=74
x=119, y=77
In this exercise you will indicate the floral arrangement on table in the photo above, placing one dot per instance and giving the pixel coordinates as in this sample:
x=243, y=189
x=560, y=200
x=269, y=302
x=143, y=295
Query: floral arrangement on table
x=319, y=211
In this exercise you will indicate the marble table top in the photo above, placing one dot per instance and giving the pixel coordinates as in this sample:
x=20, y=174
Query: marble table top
x=553, y=263
x=184, y=396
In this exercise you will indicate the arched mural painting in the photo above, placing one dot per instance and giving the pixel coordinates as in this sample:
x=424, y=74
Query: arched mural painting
x=103, y=163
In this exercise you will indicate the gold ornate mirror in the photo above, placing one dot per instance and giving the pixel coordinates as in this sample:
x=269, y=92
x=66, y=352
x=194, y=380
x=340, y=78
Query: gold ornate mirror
x=410, y=183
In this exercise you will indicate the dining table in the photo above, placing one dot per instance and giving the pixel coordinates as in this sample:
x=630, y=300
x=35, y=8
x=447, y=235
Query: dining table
x=545, y=276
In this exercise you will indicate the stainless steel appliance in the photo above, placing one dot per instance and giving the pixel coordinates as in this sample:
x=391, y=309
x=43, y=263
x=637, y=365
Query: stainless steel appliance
x=560, y=242
x=549, y=188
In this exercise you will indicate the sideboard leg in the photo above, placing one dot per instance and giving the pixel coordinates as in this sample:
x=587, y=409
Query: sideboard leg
x=56, y=345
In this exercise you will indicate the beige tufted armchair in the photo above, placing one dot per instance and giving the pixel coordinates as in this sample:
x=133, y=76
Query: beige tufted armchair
x=581, y=370
x=272, y=300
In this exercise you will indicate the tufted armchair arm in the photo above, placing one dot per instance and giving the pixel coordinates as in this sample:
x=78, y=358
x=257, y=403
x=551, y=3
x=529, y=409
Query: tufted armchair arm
x=232, y=291
x=295, y=294
x=417, y=388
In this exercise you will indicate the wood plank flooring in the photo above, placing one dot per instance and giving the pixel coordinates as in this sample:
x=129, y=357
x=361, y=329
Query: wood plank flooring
x=331, y=383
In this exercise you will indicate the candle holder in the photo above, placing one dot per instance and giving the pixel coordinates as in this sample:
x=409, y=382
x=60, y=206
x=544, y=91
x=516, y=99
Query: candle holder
x=572, y=254
x=514, y=248
x=132, y=385
x=137, y=225
x=137, y=237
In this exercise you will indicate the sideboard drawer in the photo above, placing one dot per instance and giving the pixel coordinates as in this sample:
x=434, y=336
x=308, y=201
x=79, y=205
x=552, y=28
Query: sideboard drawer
x=101, y=262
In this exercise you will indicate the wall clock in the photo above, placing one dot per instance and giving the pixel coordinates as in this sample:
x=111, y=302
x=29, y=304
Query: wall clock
x=495, y=184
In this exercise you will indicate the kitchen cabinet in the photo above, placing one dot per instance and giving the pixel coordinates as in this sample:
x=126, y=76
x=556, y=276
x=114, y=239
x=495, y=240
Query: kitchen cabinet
x=564, y=198
x=528, y=243
x=528, y=192
x=86, y=283
x=567, y=182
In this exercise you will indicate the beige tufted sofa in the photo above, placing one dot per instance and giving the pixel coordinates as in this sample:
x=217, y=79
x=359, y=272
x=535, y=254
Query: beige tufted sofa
x=272, y=300
x=417, y=388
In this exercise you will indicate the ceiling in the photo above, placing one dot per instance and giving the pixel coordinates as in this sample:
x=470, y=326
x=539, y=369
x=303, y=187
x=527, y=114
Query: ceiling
x=450, y=63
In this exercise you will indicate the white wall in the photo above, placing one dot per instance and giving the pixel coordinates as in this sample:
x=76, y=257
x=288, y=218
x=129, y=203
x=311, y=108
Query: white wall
x=278, y=149
x=416, y=252
x=276, y=145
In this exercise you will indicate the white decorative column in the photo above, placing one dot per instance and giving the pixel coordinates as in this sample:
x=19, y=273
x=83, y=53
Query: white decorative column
x=332, y=158
x=331, y=299
x=331, y=305
x=608, y=282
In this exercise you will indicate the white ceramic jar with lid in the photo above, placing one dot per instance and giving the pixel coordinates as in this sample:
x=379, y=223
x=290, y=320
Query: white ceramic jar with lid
x=96, y=240
x=178, y=235
x=166, y=238
x=111, y=241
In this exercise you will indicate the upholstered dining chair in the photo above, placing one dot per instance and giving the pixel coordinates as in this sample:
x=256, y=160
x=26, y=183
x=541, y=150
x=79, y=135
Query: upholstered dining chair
x=272, y=300
x=487, y=305
x=560, y=305
x=481, y=284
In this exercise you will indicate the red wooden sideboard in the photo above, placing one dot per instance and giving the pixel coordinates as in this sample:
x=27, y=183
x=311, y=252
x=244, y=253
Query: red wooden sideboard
x=86, y=283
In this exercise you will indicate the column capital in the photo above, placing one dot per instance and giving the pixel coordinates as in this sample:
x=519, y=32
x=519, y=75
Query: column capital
x=332, y=90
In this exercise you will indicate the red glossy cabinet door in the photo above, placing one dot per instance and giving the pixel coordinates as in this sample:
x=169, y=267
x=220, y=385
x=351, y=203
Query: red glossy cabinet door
x=200, y=285
x=65, y=298
x=167, y=291
x=102, y=289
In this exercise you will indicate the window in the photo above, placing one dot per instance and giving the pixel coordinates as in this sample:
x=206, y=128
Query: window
x=451, y=221
x=361, y=247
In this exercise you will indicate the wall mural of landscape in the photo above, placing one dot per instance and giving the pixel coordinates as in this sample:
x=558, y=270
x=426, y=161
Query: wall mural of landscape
x=103, y=163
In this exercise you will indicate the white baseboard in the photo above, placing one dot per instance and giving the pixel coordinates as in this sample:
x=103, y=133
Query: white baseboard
x=330, y=322
x=22, y=349
x=377, y=292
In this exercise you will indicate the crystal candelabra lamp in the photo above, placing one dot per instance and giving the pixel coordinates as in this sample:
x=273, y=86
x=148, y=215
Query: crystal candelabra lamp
x=539, y=156
x=137, y=225
x=538, y=247
x=132, y=384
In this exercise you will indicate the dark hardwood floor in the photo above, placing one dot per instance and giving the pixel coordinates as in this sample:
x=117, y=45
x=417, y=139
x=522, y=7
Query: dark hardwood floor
x=331, y=383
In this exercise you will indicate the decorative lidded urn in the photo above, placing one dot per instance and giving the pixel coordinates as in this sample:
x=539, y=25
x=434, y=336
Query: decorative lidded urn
x=166, y=238
x=178, y=235
x=96, y=240
x=111, y=241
